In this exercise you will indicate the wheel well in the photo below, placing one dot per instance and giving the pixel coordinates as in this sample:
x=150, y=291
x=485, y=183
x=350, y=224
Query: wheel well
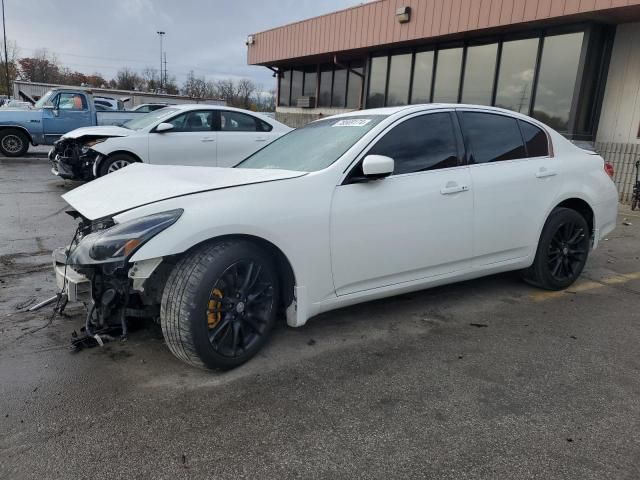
x=15, y=127
x=582, y=207
x=125, y=152
x=283, y=266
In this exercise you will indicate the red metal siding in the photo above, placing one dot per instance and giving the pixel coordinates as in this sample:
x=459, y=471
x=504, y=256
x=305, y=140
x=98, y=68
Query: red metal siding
x=373, y=24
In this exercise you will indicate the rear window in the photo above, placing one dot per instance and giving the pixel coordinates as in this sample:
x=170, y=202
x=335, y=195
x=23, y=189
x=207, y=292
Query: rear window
x=535, y=140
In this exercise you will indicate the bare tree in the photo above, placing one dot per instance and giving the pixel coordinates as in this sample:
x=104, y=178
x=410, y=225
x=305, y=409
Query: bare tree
x=12, y=53
x=127, y=79
x=195, y=87
x=245, y=89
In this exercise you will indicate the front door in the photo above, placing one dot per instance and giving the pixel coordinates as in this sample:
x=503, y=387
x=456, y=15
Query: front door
x=70, y=111
x=413, y=225
x=192, y=141
x=515, y=182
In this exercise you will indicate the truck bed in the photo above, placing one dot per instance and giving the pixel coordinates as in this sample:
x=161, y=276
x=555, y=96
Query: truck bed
x=115, y=117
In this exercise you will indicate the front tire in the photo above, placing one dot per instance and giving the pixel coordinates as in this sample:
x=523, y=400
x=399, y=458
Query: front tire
x=562, y=251
x=115, y=162
x=13, y=143
x=219, y=304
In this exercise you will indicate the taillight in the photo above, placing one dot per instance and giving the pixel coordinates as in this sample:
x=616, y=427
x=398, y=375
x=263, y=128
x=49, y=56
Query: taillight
x=608, y=168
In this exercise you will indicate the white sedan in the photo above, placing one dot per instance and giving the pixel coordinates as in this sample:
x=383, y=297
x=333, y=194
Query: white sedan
x=200, y=134
x=344, y=210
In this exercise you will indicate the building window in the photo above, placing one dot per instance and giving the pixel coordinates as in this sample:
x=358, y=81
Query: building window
x=339, y=95
x=479, y=73
x=557, y=79
x=354, y=88
x=326, y=78
x=309, y=88
x=377, y=82
x=399, y=78
x=296, y=86
x=285, y=88
x=447, y=81
x=515, y=80
x=422, y=77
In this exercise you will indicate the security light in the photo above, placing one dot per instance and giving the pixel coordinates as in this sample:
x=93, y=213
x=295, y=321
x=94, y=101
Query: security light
x=403, y=14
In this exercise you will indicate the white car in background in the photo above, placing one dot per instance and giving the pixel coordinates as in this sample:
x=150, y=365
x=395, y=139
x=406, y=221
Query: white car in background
x=197, y=135
x=347, y=209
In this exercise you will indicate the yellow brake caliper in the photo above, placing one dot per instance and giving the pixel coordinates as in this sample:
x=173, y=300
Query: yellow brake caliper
x=214, y=314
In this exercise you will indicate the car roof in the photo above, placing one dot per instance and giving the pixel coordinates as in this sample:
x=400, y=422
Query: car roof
x=185, y=107
x=425, y=107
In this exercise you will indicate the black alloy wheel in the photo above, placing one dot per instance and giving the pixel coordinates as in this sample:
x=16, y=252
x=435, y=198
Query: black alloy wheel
x=220, y=303
x=567, y=251
x=239, y=308
x=562, y=250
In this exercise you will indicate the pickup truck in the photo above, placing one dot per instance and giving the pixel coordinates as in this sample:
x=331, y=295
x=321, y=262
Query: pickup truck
x=58, y=111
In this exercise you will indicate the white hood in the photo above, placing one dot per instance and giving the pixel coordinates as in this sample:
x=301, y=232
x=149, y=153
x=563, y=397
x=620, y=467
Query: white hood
x=104, y=131
x=140, y=184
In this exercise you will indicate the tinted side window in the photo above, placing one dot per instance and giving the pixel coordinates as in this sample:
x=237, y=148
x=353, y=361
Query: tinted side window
x=535, y=140
x=421, y=143
x=492, y=138
x=237, y=122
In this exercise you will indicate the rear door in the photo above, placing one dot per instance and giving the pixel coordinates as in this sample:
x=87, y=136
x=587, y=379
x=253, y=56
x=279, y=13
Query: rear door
x=514, y=182
x=239, y=135
x=412, y=225
x=192, y=141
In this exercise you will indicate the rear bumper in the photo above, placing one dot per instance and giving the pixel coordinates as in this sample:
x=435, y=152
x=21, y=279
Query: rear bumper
x=74, y=284
x=606, y=218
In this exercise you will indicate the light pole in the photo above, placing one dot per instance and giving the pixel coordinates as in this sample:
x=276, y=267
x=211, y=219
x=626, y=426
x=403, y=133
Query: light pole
x=6, y=56
x=161, y=34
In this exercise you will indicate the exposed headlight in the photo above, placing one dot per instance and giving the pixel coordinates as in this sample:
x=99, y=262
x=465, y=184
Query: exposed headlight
x=122, y=240
x=91, y=143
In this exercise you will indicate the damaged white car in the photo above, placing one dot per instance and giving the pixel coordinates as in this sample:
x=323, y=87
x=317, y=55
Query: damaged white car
x=200, y=134
x=347, y=209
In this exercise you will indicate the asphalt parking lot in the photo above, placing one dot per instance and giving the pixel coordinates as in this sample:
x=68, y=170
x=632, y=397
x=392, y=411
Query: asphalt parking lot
x=489, y=378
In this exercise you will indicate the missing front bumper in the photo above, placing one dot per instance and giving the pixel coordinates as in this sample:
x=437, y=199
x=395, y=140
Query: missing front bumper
x=74, y=284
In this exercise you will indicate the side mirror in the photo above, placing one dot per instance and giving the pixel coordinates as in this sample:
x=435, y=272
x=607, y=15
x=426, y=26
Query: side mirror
x=377, y=166
x=164, y=127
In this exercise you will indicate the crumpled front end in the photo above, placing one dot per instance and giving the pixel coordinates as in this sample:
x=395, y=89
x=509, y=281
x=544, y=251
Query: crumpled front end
x=73, y=159
x=95, y=269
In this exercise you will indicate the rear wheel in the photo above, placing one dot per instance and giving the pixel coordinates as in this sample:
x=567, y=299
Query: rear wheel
x=219, y=304
x=114, y=163
x=562, y=251
x=13, y=143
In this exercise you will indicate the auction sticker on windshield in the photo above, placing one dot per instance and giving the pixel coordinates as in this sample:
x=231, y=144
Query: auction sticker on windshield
x=355, y=122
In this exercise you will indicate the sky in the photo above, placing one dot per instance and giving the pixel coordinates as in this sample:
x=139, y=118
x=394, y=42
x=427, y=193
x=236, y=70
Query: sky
x=205, y=36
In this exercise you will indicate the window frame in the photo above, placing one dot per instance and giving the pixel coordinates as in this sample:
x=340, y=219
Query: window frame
x=469, y=150
x=217, y=122
x=169, y=120
x=351, y=175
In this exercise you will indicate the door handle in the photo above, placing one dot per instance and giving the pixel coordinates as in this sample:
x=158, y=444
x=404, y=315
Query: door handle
x=451, y=188
x=261, y=139
x=207, y=139
x=543, y=173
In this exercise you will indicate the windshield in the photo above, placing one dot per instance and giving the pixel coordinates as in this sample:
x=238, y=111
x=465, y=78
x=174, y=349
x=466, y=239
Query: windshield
x=44, y=99
x=314, y=146
x=149, y=119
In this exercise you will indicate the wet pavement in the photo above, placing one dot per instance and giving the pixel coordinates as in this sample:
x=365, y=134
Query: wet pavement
x=489, y=378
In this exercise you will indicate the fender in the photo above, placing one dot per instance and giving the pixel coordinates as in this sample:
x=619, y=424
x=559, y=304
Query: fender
x=19, y=127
